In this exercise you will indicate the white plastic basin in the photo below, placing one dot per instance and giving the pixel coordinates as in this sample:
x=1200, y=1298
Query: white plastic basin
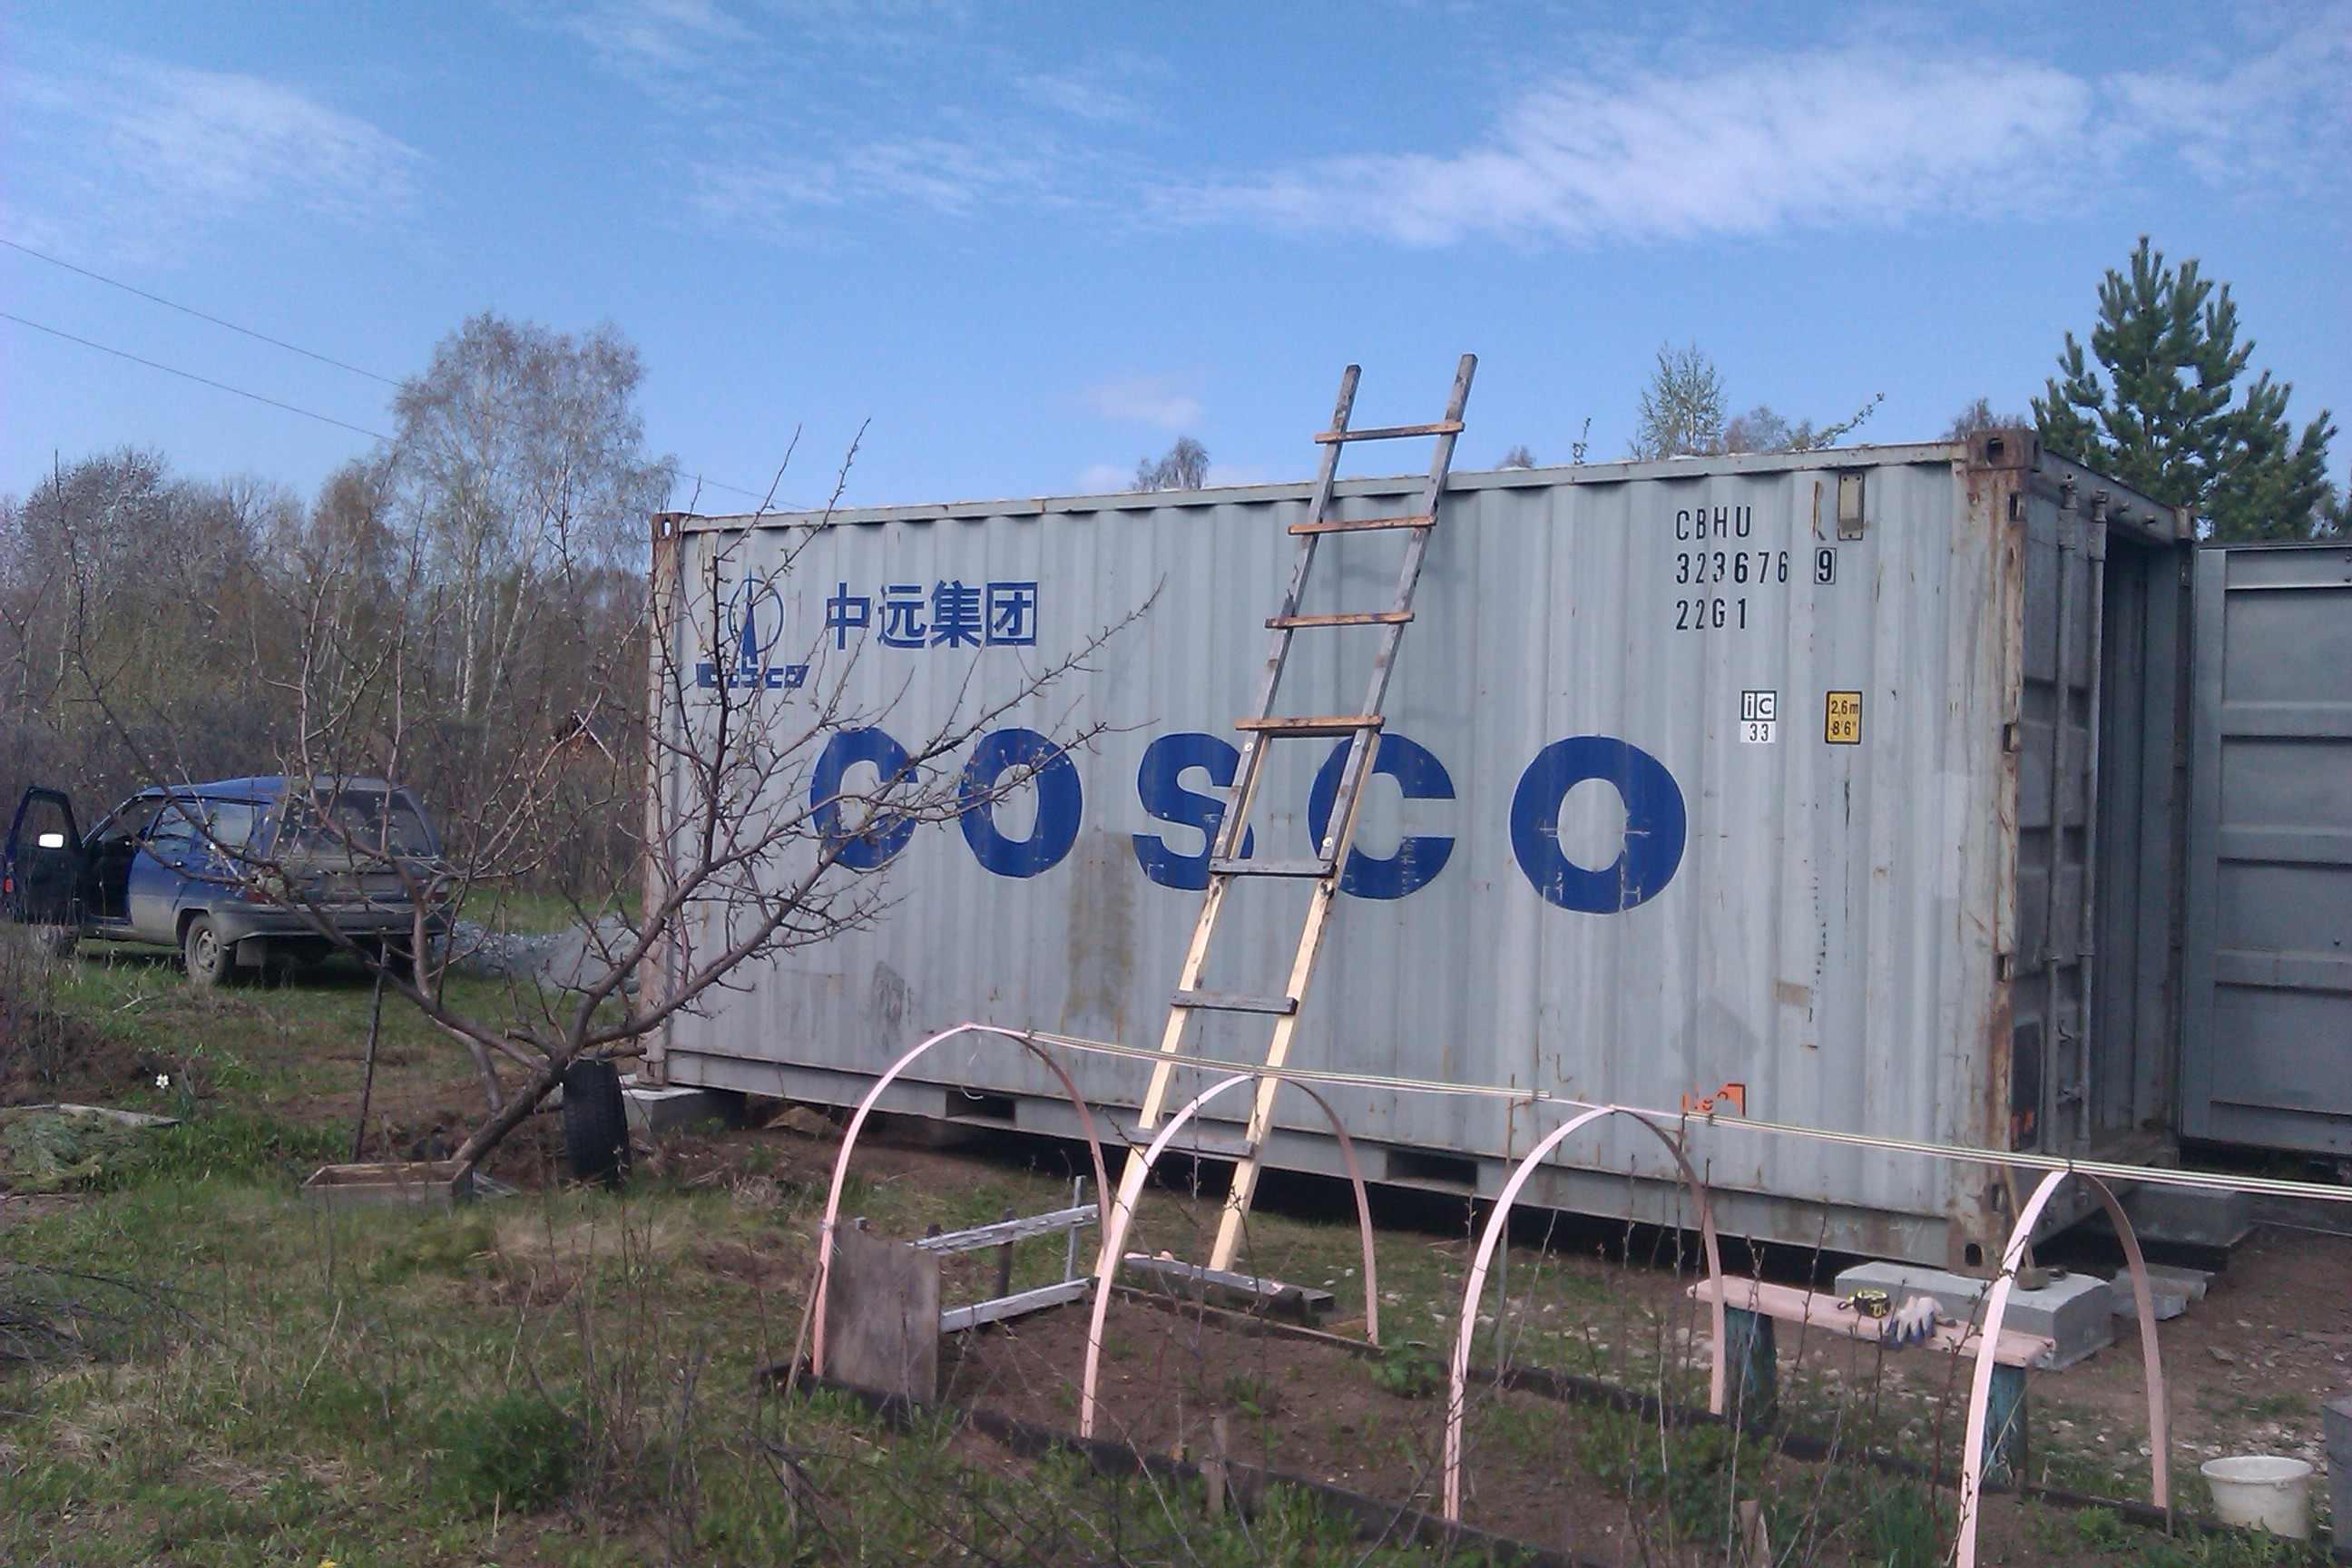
x=2268, y=1491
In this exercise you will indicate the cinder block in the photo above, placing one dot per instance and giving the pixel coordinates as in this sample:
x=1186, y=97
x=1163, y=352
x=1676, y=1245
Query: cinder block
x=2190, y=1216
x=658, y=1111
x=2073, y=1311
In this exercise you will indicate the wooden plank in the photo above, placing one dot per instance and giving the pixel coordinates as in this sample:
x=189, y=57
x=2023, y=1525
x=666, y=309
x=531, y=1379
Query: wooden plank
x=1364, y=524
x=882, y=1315
x=1341, y=618
x=1816, y=1310
x=1313, y=724
x=1388, y=432
x=1230, y=1002
x=956, y=1319
x=1190, y=1282
x=1008, y=1230
x=1219, y=867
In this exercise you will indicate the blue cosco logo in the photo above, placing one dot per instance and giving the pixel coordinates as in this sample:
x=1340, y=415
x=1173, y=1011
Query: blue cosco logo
x=1656, y=824
x=753, y=625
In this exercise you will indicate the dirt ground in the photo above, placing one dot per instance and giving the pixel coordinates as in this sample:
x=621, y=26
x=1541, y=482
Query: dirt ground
x=2246, y=1369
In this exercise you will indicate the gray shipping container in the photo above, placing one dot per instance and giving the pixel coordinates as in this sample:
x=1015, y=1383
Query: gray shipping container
x=2267, y=1031
x=1854, y=778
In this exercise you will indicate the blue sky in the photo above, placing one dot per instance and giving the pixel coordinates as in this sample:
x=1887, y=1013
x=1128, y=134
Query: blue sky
x=1032, y=244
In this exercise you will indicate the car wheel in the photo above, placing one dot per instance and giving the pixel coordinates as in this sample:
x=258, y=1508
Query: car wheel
x=207, y=960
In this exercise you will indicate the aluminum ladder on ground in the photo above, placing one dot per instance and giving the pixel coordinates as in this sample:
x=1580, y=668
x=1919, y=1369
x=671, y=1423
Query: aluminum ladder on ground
x=1323, y=871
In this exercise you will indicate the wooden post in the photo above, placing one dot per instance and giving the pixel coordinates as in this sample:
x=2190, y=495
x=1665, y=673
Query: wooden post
x=882, y=1315
x=1213, y=1472
x=1749, y=1355
x=2004, y=1439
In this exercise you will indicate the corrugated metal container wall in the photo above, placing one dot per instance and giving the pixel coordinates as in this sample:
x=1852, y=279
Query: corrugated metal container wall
x=1695, y=773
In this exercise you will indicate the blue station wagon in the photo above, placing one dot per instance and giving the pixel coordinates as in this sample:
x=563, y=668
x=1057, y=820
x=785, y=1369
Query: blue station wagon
x=226, y=872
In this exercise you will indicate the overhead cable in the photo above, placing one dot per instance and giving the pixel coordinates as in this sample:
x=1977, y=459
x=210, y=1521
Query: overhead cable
x=192, y=375
x=258, y=337
x=200, y=315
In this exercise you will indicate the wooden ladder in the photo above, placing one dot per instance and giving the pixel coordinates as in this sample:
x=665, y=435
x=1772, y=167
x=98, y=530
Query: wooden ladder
x=1265, y=726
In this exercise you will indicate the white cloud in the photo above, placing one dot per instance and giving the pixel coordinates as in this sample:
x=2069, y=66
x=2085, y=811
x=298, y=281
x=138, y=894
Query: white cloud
x=1794, y=140
x=1102, y=478
x=960, y=168
x=1156, y=400
x=1082, y=100
x=652, y=39
x=1864, y=136
x=130, y=155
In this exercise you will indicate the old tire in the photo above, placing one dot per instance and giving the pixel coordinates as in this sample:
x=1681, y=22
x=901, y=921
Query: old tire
x=208, y=958
x=595, y=1123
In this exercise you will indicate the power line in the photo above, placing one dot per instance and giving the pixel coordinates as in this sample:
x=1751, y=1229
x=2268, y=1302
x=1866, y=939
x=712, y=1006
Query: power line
x=259, y=337
x=678, y=472
x=200, y=315
x=200, y=380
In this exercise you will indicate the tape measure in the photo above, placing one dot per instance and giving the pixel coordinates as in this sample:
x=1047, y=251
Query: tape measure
x=1871, y=1302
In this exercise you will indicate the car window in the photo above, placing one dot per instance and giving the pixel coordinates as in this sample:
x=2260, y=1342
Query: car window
x=127, y=821
x=231, y=822
x=175, y=830
x=361, y=821
x=43, y=826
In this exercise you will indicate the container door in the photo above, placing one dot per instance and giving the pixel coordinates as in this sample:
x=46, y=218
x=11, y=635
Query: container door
x=2267, y=971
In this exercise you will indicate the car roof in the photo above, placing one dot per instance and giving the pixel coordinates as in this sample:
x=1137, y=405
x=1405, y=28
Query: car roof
x=262, y=786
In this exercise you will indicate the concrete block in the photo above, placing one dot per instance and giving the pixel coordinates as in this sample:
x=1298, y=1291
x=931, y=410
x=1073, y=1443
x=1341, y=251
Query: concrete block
x=656, y=1110
x=2172, y=1288
x=2190, y=1216
x=2120, y=1301
x=2073, y=1311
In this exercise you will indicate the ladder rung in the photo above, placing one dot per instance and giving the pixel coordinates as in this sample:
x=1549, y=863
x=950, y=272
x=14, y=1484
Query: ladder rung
x=1313, y=724
x=1345, y=618
x=1331, y=525
x=1390, y=432
x=1222, y=868
x=1226, y=1002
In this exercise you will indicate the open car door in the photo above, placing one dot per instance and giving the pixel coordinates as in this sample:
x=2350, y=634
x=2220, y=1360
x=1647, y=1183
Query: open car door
x=40, y=864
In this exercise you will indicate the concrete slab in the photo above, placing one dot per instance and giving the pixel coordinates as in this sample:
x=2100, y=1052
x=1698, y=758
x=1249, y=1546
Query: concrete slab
x=2172, y=1288
x=2190, y=1216
x=2073, y=1311
x=656, y=1110
x=2120, y=1303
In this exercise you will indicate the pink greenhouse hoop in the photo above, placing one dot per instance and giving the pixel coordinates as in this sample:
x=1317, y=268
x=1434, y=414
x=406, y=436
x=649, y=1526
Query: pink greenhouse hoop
x=1473, y=1289
x=858, y=1125
x=1997, y=1306
x=1131, y=1191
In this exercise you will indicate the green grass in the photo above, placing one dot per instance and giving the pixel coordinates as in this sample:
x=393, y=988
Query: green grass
x=575, y=1377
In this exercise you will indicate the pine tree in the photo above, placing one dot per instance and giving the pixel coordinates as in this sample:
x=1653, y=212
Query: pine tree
x=2166, y=417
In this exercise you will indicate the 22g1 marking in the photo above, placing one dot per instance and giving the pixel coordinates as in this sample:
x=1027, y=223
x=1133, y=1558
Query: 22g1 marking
x=1710, y=614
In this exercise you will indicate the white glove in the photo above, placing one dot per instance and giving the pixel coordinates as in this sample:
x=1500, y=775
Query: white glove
x=1913, y=1322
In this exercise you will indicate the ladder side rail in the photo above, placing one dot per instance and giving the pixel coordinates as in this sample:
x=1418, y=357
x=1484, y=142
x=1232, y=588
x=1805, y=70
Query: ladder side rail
x=1247, y=770
x=1358, y=767
x=1243, y=794
x=1337, y=834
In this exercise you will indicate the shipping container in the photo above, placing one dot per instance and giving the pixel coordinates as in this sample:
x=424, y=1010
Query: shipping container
x=1854, y=778
x=2267, y=1027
